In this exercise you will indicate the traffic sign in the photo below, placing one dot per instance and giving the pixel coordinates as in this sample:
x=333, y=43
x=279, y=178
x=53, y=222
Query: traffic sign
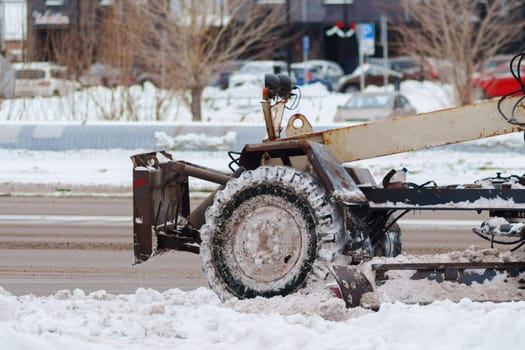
x=306, y=47
x=366, y=36
x=306, y=44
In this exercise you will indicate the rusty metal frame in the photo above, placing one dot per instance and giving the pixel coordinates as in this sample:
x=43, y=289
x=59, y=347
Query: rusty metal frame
x=421, y=131
x=353, y=284
x=446, y=198
x=330, y=172
x=160, y=197
x=465, y=273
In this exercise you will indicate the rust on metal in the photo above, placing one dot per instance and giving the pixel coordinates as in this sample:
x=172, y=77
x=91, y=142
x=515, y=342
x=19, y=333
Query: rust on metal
x=465, y=273
x=142, y=216
x=352, y=283
x=421, y=131
x=161, y=198
x=330, y=172
x=201, y=172
x=292, y=129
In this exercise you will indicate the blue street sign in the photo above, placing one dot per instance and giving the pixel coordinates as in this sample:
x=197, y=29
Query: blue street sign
x=366, y=36
x=367, y=31
x=306, y=44
x=306, y=47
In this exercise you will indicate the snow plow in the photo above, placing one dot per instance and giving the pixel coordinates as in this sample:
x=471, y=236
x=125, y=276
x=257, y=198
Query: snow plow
x=294, y=214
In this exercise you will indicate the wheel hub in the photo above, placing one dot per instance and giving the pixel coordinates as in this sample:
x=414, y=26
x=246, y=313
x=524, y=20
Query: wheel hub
x=267, y=239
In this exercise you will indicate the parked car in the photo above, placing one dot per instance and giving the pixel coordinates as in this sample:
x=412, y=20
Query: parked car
x=221, y=74
x=366, y=106
x=492, y=63
x=373, y=75
x=101, y=74
x=7, y=78
x=312, y=71
x=252, y=72
x=304, y=74
x=497, y=81
x=414, y=68
x=42, y=79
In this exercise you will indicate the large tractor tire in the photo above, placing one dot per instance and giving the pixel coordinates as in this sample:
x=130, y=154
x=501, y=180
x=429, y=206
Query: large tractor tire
x=270, y=232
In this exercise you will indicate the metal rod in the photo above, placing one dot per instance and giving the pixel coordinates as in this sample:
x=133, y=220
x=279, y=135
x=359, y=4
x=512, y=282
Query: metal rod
x=205, y=173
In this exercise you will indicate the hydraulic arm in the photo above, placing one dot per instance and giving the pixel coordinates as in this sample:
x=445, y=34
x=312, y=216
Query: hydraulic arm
x=416, y=132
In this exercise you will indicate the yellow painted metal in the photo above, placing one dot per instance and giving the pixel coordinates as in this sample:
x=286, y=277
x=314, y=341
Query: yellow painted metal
x=425, y=130
x=303, y=127
x=273, y=116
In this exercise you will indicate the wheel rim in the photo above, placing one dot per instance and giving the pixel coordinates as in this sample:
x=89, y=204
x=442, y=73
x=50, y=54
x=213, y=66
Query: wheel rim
x=390, y=244
x=259, y=247
x=252, y=253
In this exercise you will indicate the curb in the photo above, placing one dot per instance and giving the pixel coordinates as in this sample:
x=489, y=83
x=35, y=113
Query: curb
x=62, y=190
x=9, y=189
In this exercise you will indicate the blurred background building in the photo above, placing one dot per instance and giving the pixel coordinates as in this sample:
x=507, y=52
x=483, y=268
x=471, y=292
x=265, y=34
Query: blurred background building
x=311, y=20
x=13, y=28
x=324, y=29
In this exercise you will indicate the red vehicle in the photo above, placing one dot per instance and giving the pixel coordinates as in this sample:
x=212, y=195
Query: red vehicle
x=498, y=81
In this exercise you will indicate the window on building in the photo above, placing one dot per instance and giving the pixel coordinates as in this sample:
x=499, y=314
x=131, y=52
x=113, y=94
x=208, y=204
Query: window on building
x=271, y=2
x=14, y=19
x=338, y=2
x=30, y=74
x=54, y=2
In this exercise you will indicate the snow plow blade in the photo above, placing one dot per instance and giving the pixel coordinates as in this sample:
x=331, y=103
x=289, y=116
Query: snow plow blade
x=352, y=284
x=356, y=289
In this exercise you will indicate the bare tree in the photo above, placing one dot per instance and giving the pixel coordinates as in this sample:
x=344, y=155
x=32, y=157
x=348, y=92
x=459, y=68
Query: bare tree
x=461, y=32
x=75, y=48
x=181, y=45
x=190, y=41
x=122, y=31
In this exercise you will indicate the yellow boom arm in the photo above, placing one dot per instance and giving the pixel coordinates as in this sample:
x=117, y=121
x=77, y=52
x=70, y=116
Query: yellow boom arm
x=403, y=134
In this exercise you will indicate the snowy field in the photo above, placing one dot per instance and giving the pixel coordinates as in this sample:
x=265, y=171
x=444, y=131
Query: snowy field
x=196, y=319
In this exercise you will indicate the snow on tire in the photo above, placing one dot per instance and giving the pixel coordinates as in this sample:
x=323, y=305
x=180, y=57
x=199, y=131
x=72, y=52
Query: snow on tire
x=270, y=232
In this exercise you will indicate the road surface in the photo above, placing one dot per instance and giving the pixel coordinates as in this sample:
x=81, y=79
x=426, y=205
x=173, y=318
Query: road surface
x=49, y=243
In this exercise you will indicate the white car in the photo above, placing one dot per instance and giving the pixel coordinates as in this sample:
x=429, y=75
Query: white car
x=42, y=79
x=366, y=106
x=325, y=72
x=252, y=72
x=373, y=74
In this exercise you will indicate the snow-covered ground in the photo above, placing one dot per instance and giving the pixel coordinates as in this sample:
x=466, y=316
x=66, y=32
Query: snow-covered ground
x=197, y=319
x=445, y=165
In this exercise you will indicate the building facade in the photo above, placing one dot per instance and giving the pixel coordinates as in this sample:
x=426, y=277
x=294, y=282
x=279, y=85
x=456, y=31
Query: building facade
x=310, y=22
x=47, y=17
x=330, y=28
x=13, y=28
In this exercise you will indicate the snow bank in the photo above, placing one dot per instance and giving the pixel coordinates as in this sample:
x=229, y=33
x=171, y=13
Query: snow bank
x=234, y=105
x=197, y=320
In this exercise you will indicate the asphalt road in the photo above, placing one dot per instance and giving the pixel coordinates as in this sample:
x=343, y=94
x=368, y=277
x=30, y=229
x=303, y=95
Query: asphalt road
x=50, y=243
